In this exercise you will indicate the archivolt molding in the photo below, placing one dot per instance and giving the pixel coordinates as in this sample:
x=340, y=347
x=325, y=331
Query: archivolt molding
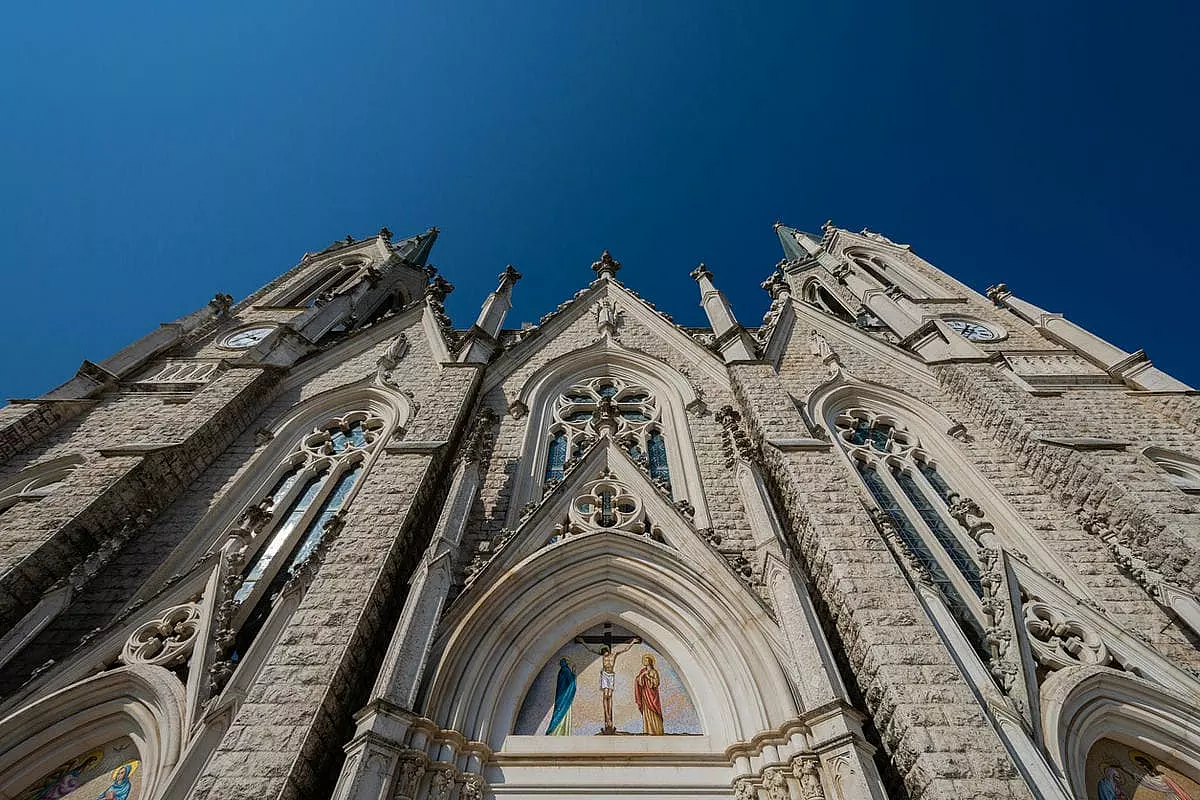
x=673, y=392
x=1081, y=705
x=143, y=702
x=493, y=647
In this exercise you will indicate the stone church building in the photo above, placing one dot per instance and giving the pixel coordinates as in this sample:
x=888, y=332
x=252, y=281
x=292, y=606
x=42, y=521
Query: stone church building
x=898, y=540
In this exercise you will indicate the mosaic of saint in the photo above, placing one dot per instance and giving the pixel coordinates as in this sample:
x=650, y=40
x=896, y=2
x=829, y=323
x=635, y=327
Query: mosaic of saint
x=1117, y=771
x=107, y=773
x=607, y=681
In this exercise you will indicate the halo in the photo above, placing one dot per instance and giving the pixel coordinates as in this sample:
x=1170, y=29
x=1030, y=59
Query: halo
x=133, y=765
x=1139, y=754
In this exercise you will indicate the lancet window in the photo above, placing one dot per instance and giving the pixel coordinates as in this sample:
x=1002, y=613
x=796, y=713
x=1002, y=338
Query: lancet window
x=888, y=274
x=627, y=410
x=314, y=482
x=327, y=281
x=908, y=486
x=37, y=482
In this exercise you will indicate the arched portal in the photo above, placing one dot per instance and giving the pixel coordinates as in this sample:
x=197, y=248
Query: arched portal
x=125, y=725
x=683, y=606
x=1110, y=731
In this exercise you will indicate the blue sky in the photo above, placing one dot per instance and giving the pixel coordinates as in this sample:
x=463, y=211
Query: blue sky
x=154, y=154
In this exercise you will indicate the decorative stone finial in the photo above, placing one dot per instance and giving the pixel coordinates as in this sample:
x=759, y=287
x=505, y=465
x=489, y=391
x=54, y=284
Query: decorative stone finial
x=778, y=224
x=349, y=239
x=998, y=292
x=385, y=233
x=776, y=285
x=221, y=303
x=828, y=226
x=438, y=288
x=701, y=272
x=509, y=276
x=607, y=266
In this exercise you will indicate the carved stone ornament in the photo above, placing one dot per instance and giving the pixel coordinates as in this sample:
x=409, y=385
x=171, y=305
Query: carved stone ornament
x=166, y=641
x=776, y=784
x=1061, y=641
x=608, y=317
x=607, y=266
x=472, y=787
x=608, y=504
x=441, y=785
x=744, y=789
x=809, y=775
x=410, y=770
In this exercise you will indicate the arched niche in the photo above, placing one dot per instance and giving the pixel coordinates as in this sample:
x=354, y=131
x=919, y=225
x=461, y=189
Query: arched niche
x=695, y=614
x=606, y=359
x=142, y=704
x=649, y=696
x=1095, y=714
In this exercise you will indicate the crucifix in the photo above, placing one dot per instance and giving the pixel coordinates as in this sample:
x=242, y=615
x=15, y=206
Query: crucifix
x=608, y=664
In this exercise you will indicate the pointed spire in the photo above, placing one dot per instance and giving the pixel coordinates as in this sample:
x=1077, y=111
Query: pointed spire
x=480, y=342
x=497, y=304
x=797, y=244
x=732, y=340
x=607, y=266
x=415, y=249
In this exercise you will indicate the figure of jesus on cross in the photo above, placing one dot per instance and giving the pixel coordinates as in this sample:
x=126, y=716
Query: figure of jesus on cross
x=608, y=666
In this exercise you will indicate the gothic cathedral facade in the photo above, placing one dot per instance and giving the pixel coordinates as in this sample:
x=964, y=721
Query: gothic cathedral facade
x=899, y=540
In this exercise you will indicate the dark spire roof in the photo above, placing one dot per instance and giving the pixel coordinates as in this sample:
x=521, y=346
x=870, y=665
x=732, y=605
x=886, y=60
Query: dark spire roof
x=791, y=248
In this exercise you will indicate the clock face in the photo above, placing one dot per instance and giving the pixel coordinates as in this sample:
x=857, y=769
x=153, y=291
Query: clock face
x=247, y=337
x=975, y=331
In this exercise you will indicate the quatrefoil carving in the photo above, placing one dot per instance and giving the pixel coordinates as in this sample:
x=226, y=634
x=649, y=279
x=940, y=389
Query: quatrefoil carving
x=165, y=641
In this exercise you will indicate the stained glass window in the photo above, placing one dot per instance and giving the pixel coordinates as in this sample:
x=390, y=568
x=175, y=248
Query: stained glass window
x=658, y=457
x=578, y=409
x=889, y=458
x=558, y=457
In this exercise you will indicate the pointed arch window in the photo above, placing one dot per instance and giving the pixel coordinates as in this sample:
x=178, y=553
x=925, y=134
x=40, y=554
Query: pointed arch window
x=327, y=280
x=37, y=482
x=629, y=410
x=889, y=274
x=314, y=482
x=907, y=485
x=1182, y=471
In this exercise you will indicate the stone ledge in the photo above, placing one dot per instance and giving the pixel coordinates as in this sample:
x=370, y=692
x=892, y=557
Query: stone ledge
x=1083, y=442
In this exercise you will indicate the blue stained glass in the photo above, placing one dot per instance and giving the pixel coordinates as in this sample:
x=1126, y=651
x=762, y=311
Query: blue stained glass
x=285, y=483
x=607, y=518
x=658, y=457
x=264, y=557
x=865, y=433
x=635, y=398
x=936, y=481
x=577, y=398
x=607, y=390
x=635, y=416
x=358, y=434
x=954, y=548
x=580, y=416
x=557, y=458
x=908, y=533
x=316, y=529
x=337, y=441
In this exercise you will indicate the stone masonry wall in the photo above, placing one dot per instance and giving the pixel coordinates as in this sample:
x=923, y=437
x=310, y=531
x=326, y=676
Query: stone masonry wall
x=286, y=739
x=171, y=444
x=928, y=718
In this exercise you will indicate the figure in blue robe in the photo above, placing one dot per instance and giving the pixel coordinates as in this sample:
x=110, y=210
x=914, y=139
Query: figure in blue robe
x=1109, y=787
x=121, y=787
x=564, y=695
